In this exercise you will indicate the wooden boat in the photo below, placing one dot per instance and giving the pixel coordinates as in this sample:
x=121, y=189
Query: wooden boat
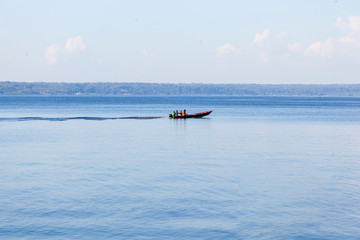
x=195, y=115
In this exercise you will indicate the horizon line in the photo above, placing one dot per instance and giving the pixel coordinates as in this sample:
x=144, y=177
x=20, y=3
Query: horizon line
x=179, y=83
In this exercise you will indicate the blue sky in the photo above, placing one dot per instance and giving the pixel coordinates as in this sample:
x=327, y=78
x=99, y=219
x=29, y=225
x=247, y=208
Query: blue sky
x=198, y=41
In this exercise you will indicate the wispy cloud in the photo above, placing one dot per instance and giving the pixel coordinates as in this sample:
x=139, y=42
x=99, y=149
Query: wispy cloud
x=225, y=49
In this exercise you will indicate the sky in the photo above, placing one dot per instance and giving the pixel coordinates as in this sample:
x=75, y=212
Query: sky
x=187, y=41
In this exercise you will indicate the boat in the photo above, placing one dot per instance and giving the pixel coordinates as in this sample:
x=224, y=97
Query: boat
x=195, y=115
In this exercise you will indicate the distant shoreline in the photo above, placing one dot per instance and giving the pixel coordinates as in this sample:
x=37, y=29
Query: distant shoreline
x=178, y=89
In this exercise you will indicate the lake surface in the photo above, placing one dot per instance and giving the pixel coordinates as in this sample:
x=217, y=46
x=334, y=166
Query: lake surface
x=256, y=168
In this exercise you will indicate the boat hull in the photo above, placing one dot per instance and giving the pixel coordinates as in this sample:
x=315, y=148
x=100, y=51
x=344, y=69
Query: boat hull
x=195, y=115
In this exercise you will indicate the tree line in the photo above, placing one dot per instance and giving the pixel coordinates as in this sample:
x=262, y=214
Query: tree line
x=180, y=89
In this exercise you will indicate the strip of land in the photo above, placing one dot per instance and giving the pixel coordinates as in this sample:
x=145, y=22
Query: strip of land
x=167, y=89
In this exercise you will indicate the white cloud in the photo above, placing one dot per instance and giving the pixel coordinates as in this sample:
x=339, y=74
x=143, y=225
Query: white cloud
x=346, y=40
x=320, y=49
x=354, y=22
x=294, y=47
x=52, y=54
x=264, y=58
x=314, y=49
x=74, y=44
x=259, y=37
x=349, y=44
x=260, y=46
x=339, y=22
x=346, y=45
x=226, y=49
x=266, y=48
x=281, y=35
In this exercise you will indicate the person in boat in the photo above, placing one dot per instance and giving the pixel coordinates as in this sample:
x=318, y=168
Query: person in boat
x=173, y=114
x=177, y=113
x=184, y=112
x=181, y=113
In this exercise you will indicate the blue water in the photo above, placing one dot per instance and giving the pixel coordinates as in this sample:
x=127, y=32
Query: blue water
x=256, y=168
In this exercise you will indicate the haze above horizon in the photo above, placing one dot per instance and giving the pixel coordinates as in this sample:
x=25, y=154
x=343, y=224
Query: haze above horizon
x=264, y=42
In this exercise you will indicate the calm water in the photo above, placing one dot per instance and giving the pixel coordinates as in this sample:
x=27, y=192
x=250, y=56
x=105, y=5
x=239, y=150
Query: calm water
x=256, y=168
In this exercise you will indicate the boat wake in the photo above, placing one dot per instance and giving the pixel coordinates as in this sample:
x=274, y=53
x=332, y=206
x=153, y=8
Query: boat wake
x=60, y=119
